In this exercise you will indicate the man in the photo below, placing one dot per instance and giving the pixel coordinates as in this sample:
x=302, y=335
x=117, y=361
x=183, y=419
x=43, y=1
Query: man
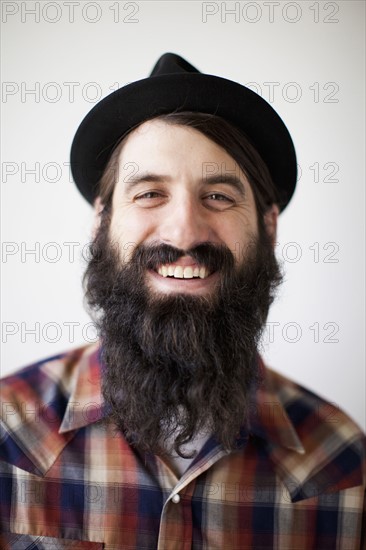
x=171, y=433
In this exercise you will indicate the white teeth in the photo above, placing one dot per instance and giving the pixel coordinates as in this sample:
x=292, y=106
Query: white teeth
x=163, y=271
x=188, y=273
x=180, y=272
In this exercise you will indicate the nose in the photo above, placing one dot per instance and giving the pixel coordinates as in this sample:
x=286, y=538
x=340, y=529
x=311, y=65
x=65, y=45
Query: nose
x=184, y=224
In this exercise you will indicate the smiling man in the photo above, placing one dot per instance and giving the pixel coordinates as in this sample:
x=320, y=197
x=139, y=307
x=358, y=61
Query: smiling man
x=171, y=433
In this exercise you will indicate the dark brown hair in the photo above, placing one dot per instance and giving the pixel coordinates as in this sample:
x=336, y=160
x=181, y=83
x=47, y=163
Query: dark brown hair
x=224, y=134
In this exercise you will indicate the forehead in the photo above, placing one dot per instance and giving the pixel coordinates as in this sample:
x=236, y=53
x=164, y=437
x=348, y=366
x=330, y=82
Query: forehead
x=156, y=138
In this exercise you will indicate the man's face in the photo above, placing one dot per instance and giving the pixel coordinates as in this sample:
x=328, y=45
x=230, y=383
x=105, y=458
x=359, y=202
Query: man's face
x=177, y=187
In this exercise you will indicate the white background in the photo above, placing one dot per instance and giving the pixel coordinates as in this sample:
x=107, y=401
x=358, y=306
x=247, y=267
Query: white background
x=313, y=52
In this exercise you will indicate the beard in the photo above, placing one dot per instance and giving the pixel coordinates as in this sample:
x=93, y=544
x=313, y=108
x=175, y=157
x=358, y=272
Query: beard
x=177, y=364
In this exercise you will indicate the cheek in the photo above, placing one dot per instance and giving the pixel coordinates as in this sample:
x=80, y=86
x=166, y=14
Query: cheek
x=238, y=234
x=127, y=231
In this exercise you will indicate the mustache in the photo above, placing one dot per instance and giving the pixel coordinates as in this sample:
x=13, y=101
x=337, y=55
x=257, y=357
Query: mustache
x=212, y=256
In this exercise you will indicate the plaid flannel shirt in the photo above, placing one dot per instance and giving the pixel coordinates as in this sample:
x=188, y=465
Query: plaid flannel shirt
x=69, y=480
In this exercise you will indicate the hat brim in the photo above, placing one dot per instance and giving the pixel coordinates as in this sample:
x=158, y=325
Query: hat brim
x=129, y=106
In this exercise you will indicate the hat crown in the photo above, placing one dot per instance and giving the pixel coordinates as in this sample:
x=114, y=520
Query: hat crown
x=171, y=63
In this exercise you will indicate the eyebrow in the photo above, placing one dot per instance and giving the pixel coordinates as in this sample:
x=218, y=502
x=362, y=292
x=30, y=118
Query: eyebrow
x=228, y=179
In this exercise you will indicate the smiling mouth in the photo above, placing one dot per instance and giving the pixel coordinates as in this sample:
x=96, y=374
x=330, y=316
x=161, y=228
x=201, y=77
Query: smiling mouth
x=183, y=272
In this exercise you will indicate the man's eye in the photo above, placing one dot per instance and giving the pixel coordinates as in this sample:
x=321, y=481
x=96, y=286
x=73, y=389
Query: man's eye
x=150, y=199
x=149, y=195
x=218, y=201
x=219, y=197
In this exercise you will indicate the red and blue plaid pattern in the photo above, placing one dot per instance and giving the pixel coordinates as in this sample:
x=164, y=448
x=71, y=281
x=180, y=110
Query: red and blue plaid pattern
x=68, y=480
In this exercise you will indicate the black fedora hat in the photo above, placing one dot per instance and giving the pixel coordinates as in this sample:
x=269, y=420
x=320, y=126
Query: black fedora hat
x=175, y=85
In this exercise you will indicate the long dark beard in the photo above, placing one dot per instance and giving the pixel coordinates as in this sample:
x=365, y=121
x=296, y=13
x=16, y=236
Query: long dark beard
x=175, y=364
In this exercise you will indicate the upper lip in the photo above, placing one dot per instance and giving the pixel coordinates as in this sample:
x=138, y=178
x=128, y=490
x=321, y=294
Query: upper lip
x=184, y=261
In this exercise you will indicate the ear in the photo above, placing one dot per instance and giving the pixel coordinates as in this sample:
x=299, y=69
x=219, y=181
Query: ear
x=270, y=222
x=98, y=207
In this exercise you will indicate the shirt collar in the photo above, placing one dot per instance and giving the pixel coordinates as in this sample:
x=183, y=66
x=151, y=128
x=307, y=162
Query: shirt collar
x=268, y=418
x=39, y=400
x=85, y=405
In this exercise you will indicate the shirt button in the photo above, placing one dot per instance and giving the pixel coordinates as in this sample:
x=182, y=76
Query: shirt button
x=176, y=499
